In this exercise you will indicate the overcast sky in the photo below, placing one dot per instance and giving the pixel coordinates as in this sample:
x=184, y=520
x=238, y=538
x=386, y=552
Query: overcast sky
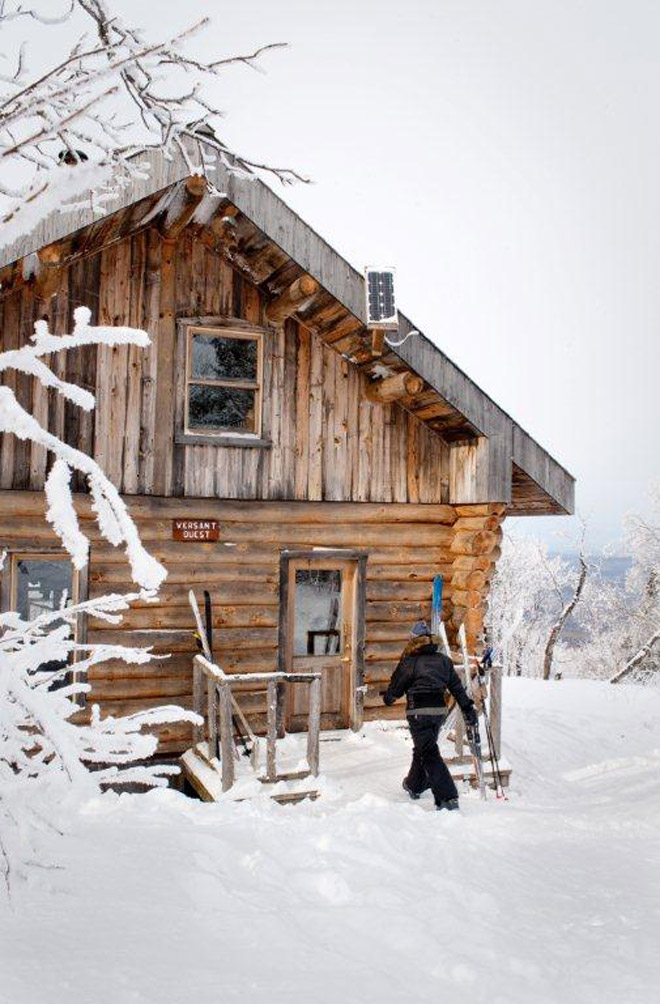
x=504, y=156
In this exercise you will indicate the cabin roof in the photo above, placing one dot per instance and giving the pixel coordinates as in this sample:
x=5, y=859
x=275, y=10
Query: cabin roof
x=518, y=471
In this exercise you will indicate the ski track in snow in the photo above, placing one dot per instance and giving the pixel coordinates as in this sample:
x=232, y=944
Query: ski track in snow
x=549, y=898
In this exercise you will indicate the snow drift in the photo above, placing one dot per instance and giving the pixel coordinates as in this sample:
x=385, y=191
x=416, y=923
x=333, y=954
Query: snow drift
x=551, y=897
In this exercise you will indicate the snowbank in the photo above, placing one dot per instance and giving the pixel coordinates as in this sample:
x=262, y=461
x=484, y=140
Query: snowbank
x=550, y=898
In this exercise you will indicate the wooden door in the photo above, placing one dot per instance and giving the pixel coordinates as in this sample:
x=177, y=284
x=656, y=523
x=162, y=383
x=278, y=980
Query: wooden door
x=320, y=632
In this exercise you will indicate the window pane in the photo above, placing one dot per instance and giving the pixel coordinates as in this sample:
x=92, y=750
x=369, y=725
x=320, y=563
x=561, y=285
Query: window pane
x=221, y=408
x=42, y=585
x=215, y=357
x=317, y=619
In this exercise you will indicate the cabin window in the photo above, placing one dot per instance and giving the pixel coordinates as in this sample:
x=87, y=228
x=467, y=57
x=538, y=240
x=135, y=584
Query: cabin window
x=40, y=584
x=223, y=383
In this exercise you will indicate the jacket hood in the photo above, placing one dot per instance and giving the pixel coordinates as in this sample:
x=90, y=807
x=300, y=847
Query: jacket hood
x=425, y=643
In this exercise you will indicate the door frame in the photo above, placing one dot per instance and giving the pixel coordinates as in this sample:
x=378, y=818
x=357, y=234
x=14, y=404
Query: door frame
x=343, y=557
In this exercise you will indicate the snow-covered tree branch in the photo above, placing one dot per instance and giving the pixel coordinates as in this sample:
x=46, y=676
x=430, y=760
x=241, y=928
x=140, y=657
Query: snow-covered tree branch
x=104, y=101
x=45, y=740
x=47, y=746
x=638, y=659
x=113, y=518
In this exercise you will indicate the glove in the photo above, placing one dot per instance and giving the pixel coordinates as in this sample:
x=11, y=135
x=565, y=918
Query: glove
x=470, y=715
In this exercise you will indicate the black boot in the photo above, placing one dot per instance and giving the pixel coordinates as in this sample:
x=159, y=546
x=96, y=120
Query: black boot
x=413, y=794
x=451, y=804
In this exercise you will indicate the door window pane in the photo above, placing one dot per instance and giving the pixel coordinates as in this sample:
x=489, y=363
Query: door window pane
x=221, y=358
x=317, y=612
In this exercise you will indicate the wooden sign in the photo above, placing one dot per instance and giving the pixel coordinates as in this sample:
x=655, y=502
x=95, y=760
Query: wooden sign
x=195, y=529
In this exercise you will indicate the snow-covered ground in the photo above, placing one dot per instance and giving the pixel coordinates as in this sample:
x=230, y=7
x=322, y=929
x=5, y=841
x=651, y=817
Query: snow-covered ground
x=550, y=898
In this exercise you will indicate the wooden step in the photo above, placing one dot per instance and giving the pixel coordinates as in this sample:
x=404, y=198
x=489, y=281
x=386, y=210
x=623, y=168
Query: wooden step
x=205, y=777
x=463, y=770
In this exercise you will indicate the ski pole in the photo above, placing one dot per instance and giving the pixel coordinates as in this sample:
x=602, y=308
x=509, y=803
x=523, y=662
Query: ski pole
x=474, y=743
x=472, y=731
x=492, y=752
x=494, y=759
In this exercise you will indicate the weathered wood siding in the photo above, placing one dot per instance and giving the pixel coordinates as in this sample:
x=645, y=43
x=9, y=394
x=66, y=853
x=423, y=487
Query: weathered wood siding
x=407, y=546
x=328, y=441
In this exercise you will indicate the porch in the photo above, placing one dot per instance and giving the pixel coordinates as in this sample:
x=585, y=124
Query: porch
x=228, y=760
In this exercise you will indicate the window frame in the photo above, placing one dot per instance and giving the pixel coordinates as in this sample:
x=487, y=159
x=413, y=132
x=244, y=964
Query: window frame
x=341, y=569
x=13, y=553
x=223, y=328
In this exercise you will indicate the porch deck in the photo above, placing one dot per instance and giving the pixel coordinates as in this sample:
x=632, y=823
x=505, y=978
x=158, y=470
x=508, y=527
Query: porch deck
x=370, y=762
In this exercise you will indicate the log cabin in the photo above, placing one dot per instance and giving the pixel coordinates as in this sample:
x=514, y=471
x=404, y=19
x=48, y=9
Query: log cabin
x=270, y=448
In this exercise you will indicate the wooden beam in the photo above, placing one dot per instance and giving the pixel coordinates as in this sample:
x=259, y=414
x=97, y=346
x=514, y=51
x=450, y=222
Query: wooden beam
x=46, y=286
x=392, y=388
x=288, y=302
x=377, y=341
x=183, y=207
x=165, y=356
x=48, y=275
x=223, y=227
x=474, y=542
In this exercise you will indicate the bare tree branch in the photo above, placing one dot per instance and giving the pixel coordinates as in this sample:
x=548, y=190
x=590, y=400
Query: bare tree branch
x=637, y=659
x=156, y=86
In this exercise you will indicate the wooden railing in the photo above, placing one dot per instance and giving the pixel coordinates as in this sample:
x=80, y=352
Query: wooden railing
x=493, y=680
x=214, y=702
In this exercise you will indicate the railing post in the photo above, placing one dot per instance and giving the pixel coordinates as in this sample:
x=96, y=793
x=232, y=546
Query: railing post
x=496, y=708
x=198, y=701
x=226, y=737
x=271, y=735
x=212, y=716
x=281, y=694
x=314, y=726
x=467, y=683
x=459, y=733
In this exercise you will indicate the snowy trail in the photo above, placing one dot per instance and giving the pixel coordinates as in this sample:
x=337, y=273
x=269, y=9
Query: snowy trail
x=550, y=898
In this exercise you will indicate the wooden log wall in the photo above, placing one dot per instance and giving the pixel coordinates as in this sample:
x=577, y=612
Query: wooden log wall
x=475, y=549
x=329, y=441
x=407, y=546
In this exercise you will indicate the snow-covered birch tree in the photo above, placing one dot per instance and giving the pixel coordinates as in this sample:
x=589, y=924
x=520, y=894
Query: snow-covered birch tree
x=526, y=603
x=639, y=648
x=567, y=604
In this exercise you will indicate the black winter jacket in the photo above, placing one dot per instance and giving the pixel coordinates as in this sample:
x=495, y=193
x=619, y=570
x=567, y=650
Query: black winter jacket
x=424, y=675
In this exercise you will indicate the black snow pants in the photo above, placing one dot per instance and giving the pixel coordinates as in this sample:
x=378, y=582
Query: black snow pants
x=428, y=769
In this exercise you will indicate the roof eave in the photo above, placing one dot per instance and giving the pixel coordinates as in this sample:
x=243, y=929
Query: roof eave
x=508, y=442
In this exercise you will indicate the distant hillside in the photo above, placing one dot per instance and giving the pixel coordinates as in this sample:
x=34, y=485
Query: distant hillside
x=613, y=568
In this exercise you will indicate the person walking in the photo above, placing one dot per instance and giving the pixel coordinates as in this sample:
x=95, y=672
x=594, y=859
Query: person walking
x=424, y=675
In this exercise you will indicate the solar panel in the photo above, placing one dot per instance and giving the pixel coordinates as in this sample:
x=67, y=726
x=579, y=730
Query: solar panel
x=381, y=305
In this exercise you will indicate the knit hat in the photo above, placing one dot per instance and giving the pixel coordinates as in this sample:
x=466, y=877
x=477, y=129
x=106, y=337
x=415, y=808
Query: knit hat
x=420, y=629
